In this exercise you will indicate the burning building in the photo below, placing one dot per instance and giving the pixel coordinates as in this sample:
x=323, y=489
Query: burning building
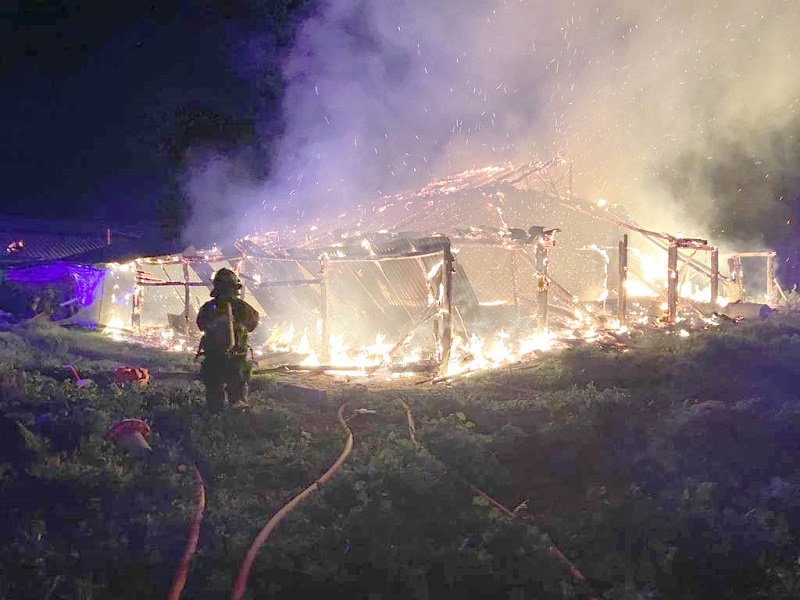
x=479, y=267
x=476, y=269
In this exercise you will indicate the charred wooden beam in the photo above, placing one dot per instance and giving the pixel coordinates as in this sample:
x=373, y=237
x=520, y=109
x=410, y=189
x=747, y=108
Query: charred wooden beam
x=136, y=303
x=771, y=283
x=672, y=283
x=187, y=297
x=416, y=367
x=735, y=270
x=542, y=288
x=288, y=283
x=448, y=270
x=714, y=275
x=622, y=302
x=360, y=257
x=152, y=283
x=755, y=254
x=324, y=275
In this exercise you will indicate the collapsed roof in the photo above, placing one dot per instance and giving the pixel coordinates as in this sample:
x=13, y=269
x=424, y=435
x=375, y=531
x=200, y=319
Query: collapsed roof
x=382, y=259
x=496, y=205
x=492, y=201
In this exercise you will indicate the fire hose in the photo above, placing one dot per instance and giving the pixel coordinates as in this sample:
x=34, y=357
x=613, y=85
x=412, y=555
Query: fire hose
x=554, y=551
x=240, y=586
x=244, y=571
x=131, y=434
x=194, y=536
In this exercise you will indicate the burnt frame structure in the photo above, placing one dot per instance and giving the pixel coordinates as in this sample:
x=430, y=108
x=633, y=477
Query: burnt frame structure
x=321, y=269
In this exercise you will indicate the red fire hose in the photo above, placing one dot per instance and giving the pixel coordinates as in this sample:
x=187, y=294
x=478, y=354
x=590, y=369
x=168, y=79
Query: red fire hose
x=194, y=536
x=244, y=571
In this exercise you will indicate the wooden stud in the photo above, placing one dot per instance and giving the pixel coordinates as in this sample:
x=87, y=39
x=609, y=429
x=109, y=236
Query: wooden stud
x=622, y=293
x=448, y=270
x=542, y=288
x=324, y=284
x=714, y=275
x=672, y=283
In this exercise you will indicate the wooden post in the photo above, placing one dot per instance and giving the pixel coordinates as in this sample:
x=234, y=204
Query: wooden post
x=136, y=307
x=543, y=284
x=186, y=296
x=735, y=269
x=622, y=300
x=714, y=275
x=136, y=299
x=437, y=340
x=672, y=282
x=771, y=277
x=447, y=307
x=514, y=281
x=324, y=277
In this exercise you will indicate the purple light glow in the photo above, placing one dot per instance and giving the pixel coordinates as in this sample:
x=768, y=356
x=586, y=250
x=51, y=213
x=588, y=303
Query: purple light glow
x=86, y=279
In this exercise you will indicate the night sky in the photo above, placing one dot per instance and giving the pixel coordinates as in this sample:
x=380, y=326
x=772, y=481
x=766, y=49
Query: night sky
x=90, y=93
x=266, y=113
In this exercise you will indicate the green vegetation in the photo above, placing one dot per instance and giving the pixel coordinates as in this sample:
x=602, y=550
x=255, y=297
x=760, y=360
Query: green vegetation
x=662, y=469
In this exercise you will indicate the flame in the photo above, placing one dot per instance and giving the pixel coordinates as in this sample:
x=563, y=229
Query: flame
x=390, y=358
x=650, y=281
x=115, y=329
x=477, y=354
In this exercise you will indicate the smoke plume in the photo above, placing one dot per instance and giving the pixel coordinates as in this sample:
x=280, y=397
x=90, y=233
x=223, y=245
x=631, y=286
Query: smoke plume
x=685, y=112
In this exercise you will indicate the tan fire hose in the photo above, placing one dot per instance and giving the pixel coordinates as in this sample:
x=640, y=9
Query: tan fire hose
x=244, y=571
x=554, y=551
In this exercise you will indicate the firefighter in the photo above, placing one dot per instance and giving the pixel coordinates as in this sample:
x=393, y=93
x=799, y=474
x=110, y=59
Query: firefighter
x=225, y=321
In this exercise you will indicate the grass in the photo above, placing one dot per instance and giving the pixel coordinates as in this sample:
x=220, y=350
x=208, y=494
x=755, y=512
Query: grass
x=663, y=469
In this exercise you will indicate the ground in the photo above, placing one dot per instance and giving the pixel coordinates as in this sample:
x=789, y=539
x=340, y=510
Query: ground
x=664, y=467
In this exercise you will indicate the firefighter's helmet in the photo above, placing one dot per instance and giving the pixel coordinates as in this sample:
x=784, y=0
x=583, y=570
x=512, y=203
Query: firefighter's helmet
x=225, y=280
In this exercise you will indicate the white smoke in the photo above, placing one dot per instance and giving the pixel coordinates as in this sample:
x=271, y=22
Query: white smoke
x=384, y=96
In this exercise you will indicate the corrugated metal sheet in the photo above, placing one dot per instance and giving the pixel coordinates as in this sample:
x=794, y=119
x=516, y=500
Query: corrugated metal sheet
x=379, y=289
x=26, y=247
x=26, y=241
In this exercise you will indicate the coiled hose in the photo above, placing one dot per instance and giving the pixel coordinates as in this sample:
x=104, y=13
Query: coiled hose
x=194, y=537
x=244, y=571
